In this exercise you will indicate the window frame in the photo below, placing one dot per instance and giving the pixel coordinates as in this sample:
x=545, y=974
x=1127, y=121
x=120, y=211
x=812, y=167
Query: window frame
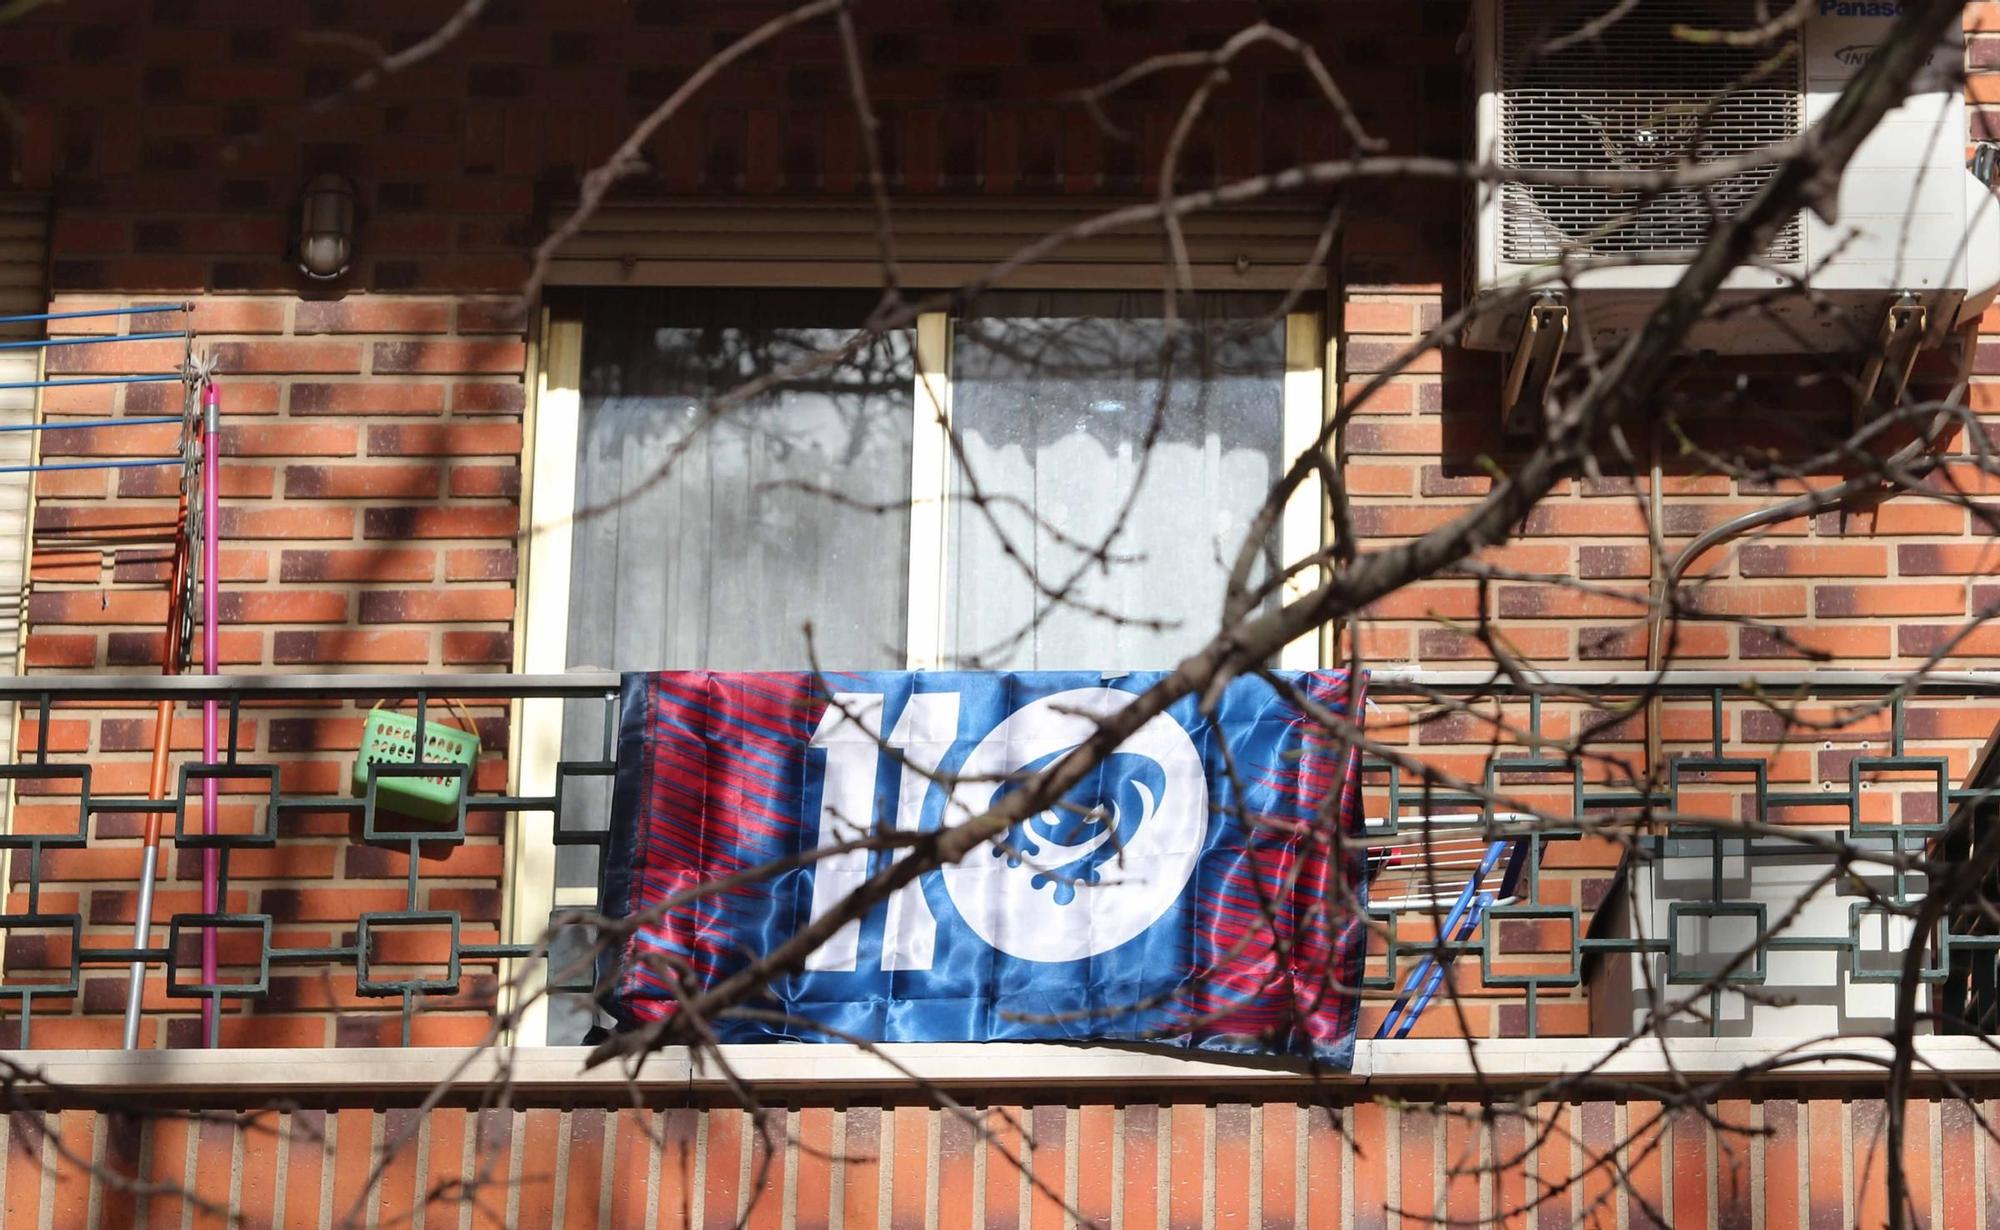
x=550, y=430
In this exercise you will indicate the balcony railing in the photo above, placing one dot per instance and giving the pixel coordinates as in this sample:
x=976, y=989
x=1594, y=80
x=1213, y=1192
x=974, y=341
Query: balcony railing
x=1759, y=884
x=1685, y=898
x=417, y=924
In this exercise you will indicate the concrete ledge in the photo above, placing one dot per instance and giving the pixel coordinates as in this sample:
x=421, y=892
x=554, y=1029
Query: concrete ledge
x=558, y=1071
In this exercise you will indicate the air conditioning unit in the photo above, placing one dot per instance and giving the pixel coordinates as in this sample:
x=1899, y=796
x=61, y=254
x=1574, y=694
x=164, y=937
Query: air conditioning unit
x=1832, y=968
x=1585, y=85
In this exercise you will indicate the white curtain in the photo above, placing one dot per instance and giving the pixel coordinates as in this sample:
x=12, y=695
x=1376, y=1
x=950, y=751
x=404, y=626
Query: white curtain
x=708, y=539
x=1055, y=398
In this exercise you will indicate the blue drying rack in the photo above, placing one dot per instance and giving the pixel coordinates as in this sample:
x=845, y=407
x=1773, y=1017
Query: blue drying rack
x=1438, y=861
x=108, y=339
x=188, y=532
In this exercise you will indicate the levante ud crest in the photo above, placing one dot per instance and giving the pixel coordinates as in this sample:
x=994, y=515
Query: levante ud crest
x=1184, y=892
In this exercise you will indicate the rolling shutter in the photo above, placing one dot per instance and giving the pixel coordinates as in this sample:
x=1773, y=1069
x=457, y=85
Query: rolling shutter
x=937, y=245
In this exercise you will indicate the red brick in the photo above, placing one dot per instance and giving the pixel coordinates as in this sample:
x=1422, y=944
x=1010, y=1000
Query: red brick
x=282, y=606
x=474, y=481
x=1379, y=317
x=233, y=315
x=1685, y=641
x=113, y=907
x=1679, y=519
x=135, y=734
x=489, y=397
x=1725, y=598
x=63, y=736
x=1537, y=644
x=476, y=521
x=334, y=905
x=1451, y=601
x=139, y=441
x=290, y=440
x=480, y=564
x=146, y=648
x=1600, y=563
x=239, y=482
x=168, y=275
x=1556, y=602
x=115, y=522
x=1402, y=520
x=365, y=564
x=55, y=650
x=1948, y=559
x=97, y=607
x=451, y=357
x=1765, y=560
x=287, y=356
x=458, y=862
x=48, y=567
x=362, y=482
x=86, y=484
x=478, y=648
x=1834, y=642
x=116, y=358
x=1896, y=517
x=1438, y=480
x=1598, y=518
x=350, y=646
x=1369, y=357
x=371, y=314
x=1950, y=640
x=1847, y=601
x=481, y=904
x=239, y=397
x=437, y=606
x=454, y=440
x=368, y=397
x=1398, y=398
x=439, y=1029
x=491, y=316
x=287, y=522
x=1391, y=437
x=95, y=400
x=74, y=301
x=75, y=235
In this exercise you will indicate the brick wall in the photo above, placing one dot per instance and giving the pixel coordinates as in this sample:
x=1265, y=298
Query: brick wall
x=1125, y=1161
x=374, y=428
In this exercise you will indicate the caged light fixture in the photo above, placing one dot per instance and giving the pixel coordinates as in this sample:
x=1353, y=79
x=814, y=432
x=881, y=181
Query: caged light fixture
x=325, y=242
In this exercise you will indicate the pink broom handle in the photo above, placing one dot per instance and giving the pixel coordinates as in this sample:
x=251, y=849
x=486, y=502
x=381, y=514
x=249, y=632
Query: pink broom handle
x=211, y=555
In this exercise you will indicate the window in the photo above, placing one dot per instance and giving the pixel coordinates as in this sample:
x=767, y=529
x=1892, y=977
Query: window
x=706, y=539
x=707, y=536
x=920, y=501
x=1055, y=399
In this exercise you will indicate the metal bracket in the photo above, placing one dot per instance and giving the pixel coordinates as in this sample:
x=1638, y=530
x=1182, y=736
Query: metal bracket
x=1886, y=374
x=1537, y=354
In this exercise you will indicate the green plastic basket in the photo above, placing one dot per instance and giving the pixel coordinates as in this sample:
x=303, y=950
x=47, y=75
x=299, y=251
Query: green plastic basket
x=389, y=738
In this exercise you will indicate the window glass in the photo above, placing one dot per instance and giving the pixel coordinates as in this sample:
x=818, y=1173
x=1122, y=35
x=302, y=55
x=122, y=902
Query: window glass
x=1111, y=466
x=707, y=535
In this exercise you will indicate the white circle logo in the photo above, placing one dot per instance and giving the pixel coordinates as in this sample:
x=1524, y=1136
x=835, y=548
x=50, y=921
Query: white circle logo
x=1088, y=875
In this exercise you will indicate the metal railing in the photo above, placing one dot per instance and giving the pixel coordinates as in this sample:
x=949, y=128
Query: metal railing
x=1711, y=919
x=248, y=773
x=1734, y=776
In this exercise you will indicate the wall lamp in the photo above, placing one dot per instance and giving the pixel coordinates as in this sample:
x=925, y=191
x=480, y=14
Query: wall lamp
x=325, y=242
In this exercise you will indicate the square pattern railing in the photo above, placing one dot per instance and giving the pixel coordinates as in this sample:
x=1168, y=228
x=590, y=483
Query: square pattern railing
x=405, y=951
x=1523, y=864
x=1760, y=880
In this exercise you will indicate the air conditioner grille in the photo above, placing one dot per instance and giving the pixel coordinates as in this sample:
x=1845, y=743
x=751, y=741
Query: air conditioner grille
x=1636, y=97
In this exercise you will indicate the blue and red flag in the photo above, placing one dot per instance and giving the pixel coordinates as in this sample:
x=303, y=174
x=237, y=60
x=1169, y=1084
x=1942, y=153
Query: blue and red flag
x=1201, y=888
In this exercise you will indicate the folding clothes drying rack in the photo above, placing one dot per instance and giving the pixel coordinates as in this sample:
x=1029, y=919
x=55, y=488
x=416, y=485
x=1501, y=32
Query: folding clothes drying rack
x=195, y=556
x=1420, y=873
